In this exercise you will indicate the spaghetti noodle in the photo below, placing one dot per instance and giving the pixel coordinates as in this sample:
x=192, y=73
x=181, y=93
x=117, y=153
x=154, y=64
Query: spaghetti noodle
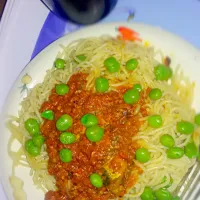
x=174, y=106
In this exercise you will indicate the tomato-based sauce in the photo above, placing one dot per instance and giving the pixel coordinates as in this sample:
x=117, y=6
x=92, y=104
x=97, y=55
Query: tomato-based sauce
x=112, y=157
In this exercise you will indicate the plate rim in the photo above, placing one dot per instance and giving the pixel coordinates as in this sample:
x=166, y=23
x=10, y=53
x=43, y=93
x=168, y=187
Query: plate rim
x=52, y=45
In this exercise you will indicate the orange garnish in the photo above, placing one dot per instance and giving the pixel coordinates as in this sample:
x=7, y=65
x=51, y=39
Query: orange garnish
x=128, y=34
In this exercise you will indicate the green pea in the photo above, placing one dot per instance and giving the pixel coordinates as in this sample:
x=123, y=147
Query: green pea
x=155, y=94
x=65, y=155
x=38, y=140
x=155, y=121
x=162, y=72
x=59, y=63
x=89, y=120
x=112, y=65
x=62, y=89
x=96, y=180
x=31, y=148
x=197, y=119
x=102, y=84
x=137, y=87
x=64, y=122
x=185, y=127
x=95, y=133
x=142, y=155
x=167, y=140
x=175, y=152
x=131, y=64
x=191, y=150
x=48, y=114
x=32, y=126
x=81, y=57
x=131, y=96
x=147, y=194
x=67, y=138
x=163, y=194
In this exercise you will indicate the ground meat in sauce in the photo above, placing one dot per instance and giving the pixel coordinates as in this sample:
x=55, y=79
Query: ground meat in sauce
x=112, y=157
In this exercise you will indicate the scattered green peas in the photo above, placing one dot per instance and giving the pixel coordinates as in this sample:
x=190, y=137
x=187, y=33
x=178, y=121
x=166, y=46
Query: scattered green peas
x=65, y=155
x=162, y=72
x=137, y=87
x=95, y=133
x=38, y=140
x=147, y=194
x=185, y=127
x=131, y=64
x=101, y=84
x=96, y=180
x=81, y=57
x=48, y=114
x=112, y=65
x=155, y=94
x=59, y=63
x=175, y=152
x=89, y=120
x=197, y=119
x=64, y=122
x=131, y=96
x=155, y=121
x=142, y=155
x=67, y=138
x=163, y=194
x=31, y=148
x=191, y=150
x=32, y=126
x=62, y=89
x=167, y=140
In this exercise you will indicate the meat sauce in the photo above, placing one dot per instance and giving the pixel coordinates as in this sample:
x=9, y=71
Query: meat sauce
x=112, y=157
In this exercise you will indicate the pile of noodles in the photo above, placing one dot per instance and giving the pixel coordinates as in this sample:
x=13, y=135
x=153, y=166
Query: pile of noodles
x=175, y=105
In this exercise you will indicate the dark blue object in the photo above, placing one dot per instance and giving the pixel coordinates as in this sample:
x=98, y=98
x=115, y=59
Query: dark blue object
x=81, y=11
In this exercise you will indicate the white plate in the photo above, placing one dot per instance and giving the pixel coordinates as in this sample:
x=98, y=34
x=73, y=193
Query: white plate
x=182, y=52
